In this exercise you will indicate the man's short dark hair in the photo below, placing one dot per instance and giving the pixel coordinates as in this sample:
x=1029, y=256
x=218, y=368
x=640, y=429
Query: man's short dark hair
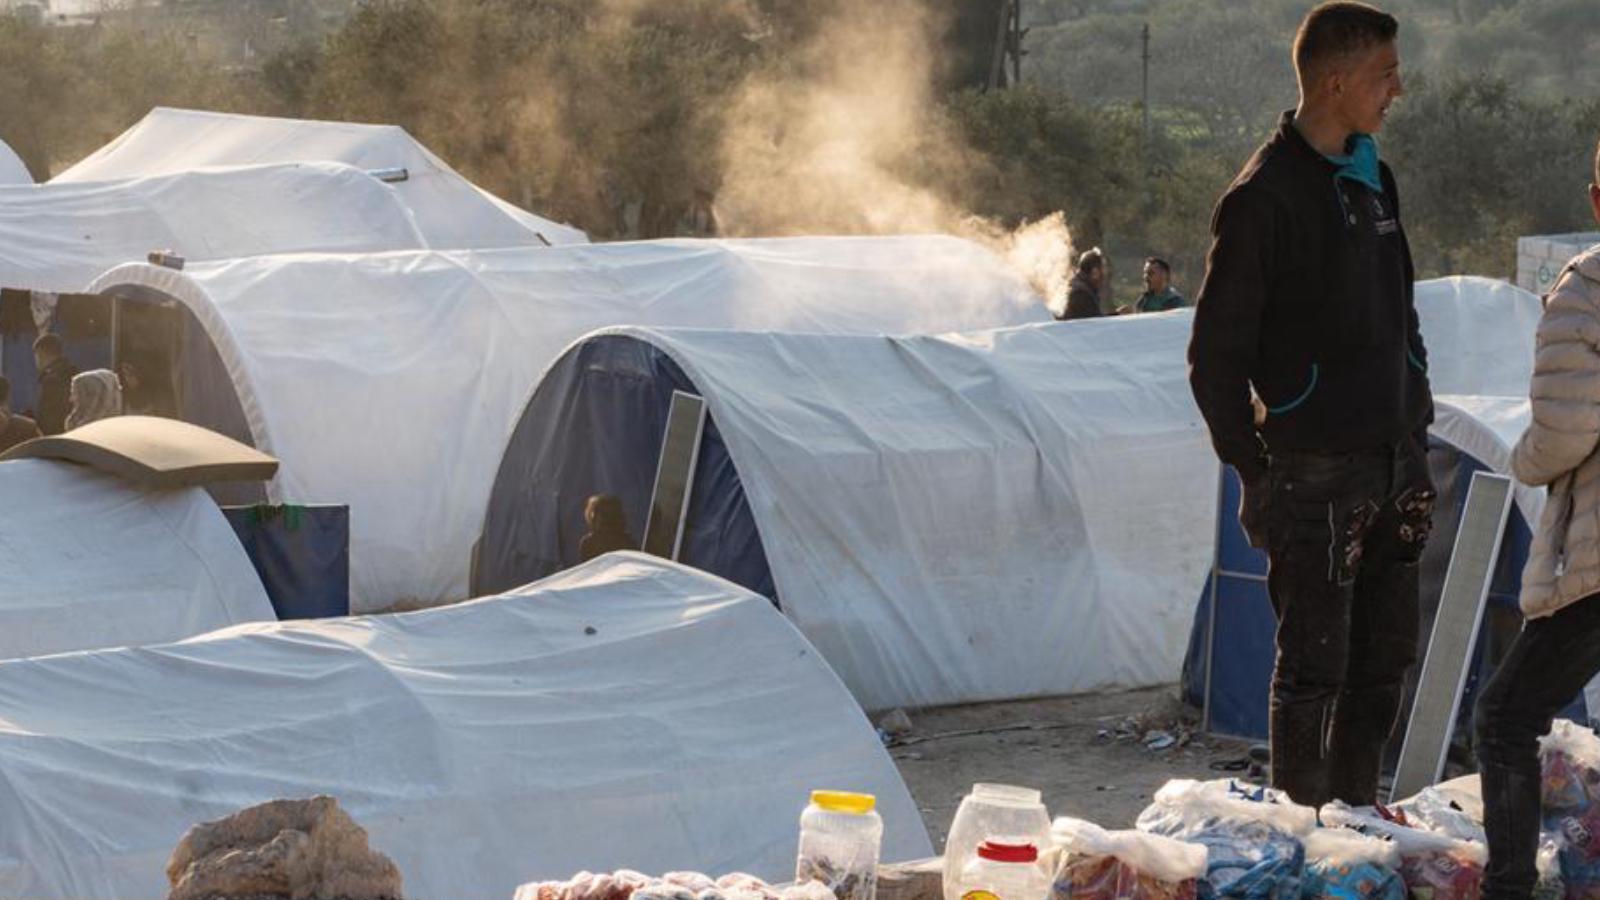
x=49, y=343
x=1158, y=261
x=1090, y=260
x=1335, y=30
x=5, y=391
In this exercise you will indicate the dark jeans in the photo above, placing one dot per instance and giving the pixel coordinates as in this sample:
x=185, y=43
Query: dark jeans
x=1344, y=533
x=1547, y=665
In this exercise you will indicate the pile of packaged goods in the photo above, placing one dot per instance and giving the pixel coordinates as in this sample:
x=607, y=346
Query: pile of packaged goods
x=1252, y=835
x=1091, y=863
x=1433, y=865
x=1570, y=760
x=628, y=885
x=1348, y=865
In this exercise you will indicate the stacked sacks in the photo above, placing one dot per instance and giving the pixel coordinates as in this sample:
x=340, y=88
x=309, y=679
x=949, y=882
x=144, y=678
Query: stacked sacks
x=1252, y=836
x=1346, y=865
x=1090, y=863
x=1570, y=760
x=1434, y=866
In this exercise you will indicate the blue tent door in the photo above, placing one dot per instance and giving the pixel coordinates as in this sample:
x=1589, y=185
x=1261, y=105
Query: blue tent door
x=1237, y=625
x=302, y=554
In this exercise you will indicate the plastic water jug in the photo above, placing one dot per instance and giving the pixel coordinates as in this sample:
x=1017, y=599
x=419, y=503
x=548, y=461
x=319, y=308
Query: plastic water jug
x=1005, y=870
x=840, y=835
x=1016, y=813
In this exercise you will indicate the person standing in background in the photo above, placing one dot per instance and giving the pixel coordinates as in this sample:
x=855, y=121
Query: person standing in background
x=1083, y=291
x=14, y=429
x=55, y=383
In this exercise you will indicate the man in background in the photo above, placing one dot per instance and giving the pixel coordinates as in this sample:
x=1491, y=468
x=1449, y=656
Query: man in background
x=55, y=383
x=1159, y=294
x=1083, y=291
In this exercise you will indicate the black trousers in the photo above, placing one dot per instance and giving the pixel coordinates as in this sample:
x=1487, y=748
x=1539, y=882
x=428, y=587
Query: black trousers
x=1344, y=533
x=1547, y=665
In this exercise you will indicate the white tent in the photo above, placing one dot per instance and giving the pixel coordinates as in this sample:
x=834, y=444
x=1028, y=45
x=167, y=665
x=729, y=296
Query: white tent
x=90, y=561
x=391, y=381
x=58, y=236
x=451, y=211
x=967, y=517
x=631, y=713
x=958, y=518
x=12, y=169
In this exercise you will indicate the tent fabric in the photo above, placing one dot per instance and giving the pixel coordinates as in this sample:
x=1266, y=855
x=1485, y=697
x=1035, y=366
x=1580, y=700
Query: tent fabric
x=91, y=562
x=12, y=169
x=302, y=554
x=965, y=517
x=59, y=236
x=629, y=713
x=450, y=210
x=391, y=381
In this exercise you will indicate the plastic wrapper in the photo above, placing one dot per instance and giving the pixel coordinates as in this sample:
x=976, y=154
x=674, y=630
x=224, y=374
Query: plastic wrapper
x=625, y=884
x=1434, y=866
x=1346, y=865
x=1090, y=863
x=1251, y=835
x=1570, y=787
x=1431, y=810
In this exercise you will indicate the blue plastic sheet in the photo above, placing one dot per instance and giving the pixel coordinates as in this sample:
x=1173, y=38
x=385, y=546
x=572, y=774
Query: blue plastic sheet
x=302, y=554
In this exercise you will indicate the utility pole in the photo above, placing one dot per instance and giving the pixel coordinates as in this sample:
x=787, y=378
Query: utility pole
x=1144, y=90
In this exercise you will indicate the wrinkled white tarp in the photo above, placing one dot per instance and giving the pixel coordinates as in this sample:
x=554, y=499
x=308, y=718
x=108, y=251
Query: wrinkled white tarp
x=89, y=561
x=59, y=236
x=1009, y=514
x=12, y=168
x=391, y=382
x=451, y=211
x=971, y=517
x=629, y=713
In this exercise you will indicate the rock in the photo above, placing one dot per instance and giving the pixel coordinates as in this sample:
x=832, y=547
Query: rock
x=896, y=724
x=920, y=880
x=292, y=849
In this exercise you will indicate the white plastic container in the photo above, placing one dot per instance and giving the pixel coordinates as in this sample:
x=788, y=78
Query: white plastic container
x=840, y=835
x=1017, y=813
x=1004, y=870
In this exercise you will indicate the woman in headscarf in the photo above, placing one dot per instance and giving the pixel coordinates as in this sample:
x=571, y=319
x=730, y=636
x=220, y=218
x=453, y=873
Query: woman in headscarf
x=96, y=394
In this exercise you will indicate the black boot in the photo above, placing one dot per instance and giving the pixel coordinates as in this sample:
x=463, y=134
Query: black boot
x=1511, y=819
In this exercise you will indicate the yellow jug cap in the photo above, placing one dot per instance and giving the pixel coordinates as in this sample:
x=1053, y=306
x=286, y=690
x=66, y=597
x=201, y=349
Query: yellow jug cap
x=844, y=802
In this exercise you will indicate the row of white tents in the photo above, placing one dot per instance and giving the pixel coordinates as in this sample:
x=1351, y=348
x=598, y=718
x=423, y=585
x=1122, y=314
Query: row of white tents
x=949, y=497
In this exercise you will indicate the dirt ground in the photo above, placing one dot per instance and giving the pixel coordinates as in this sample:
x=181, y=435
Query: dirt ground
x=1086, y=753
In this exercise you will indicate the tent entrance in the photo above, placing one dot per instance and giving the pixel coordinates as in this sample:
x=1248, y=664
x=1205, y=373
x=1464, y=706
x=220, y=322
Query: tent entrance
x=146, y=341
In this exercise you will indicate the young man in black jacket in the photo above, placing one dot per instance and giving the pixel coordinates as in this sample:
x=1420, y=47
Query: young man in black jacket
x=1309, y=368
x=55, y=384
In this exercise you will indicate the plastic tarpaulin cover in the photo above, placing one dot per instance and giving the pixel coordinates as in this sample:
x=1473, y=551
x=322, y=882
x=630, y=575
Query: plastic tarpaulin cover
x=59, y=236
x=627, y=714
x=302, y=554
x=450, y=210
x=91, y=562
x=968, y=517
x=391, y=382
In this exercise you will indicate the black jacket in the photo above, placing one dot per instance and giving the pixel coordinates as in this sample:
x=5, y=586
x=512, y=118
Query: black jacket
x=1308, y=300
x=1082, y=300
x=55, y=396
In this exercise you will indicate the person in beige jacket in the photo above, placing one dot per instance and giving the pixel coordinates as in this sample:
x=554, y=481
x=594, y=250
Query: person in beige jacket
x=1558, y=650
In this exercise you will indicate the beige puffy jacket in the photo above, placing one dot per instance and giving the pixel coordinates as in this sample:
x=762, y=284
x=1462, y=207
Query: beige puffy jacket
x=1558, y=449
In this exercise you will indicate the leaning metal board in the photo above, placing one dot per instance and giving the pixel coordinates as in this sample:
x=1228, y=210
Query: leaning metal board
x=1455, y=632
x=680, y=451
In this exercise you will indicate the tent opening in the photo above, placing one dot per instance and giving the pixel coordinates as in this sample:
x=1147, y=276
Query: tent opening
x=594, y=426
